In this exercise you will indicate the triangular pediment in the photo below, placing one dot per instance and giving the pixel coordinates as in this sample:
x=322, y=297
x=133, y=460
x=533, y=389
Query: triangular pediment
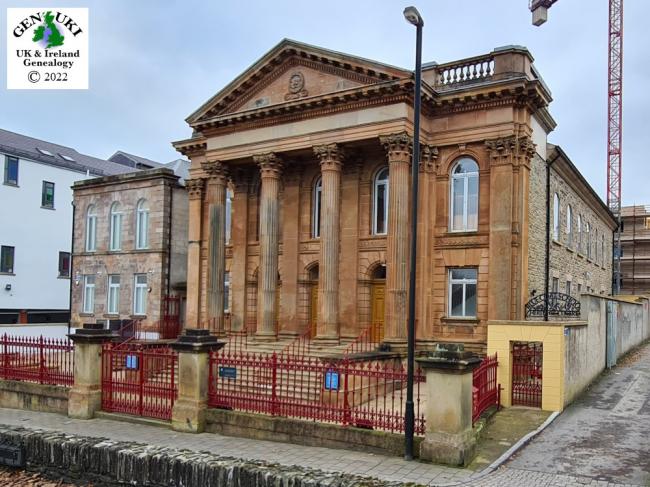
x=291, y=71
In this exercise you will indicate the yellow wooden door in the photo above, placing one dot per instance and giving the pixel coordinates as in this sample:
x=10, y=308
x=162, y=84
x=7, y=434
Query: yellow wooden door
x=377, y=306
x=313, y=310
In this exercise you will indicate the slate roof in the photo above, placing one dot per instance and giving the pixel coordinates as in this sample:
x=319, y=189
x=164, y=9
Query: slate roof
x=133, y=161
x=25, y=147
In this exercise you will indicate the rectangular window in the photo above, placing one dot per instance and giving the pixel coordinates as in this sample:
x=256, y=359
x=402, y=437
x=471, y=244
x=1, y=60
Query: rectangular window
x=113, y=306
x=140, y=295
x=579, y=289
x=555, y=286
x=647, y=223
x=462, y=292
x=11, y=171
x=7, y=259
x=226, y=292
x=89, y=294
x=568, y=288
x=64, y=264
x=47, y=195
x=229, y=197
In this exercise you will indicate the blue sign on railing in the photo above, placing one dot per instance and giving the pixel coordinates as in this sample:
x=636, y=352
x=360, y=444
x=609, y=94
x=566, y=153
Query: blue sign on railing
x=228, y=372
x=132, y=362
x=331, y=380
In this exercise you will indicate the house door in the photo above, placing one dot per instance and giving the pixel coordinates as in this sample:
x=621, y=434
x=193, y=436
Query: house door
x=313, y=309
x=527, y=374
x=377, y=307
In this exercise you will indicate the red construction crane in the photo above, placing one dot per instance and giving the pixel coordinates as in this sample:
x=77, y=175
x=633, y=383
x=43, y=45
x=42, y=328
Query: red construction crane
x=614, y=115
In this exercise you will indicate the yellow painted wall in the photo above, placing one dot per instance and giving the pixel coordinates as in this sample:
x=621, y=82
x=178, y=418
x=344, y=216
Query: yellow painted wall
x=551, y=334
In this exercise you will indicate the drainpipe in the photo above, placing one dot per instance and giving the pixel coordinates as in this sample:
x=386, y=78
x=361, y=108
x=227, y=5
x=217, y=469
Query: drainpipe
x=548, y=234
x=74, y=208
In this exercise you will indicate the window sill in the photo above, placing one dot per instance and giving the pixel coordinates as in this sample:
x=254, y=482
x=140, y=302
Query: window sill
x=556, y=242
x=138, y=317
x=87, y=315
x=111, y=316
x=463, y=232
x=12, y=185
x=63, y=277
x=7, y=273
x=570, y=249
x=459, y=320
x=48, y=208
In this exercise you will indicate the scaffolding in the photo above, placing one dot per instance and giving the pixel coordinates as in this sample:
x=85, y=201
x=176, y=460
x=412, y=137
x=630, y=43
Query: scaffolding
x=635, y=245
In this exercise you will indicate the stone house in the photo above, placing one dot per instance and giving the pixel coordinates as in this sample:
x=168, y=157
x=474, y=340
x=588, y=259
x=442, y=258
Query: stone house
x=130, y=246
x=316, y=147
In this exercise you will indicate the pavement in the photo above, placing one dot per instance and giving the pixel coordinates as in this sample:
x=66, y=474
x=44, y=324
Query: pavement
x=603, y=439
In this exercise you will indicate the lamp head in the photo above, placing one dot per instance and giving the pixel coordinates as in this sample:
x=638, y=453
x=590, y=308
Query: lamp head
x=412, y=16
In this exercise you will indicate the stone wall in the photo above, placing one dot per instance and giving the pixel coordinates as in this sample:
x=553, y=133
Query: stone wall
x=33, y=397
x=180, y=220
x=111, y=463
x=587, y=271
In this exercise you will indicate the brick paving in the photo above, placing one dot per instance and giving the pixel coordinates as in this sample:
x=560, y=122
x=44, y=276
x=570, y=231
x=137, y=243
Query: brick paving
x=13, y=478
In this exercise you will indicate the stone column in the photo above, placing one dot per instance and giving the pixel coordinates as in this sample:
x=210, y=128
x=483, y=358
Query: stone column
x=267, y=276
x=195, y=191
x=216, y=199
x=239, y=239
x=194, y=347
x=85, y=397
x=449, y=437
x=398, y=147
x=331, y=160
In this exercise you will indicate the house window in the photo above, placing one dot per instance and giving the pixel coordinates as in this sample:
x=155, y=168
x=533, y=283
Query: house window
x=64, y=264
x=140, y=295
x=556, y=217
x=47, y=195
x=464, y=196
x=596, y=246
x=7, y=259
x=462, y=292
x=116, y=227
x=226, y=292
x=380, y=203
x=315, y=206
x=647, y=223
x=588, y=232
x=555, y=286
x=91, y=229
x=229, y=197
x=602, y=249
x=89, y=294
x=568, y=288
x=141, y=225
x=11, y=171
x=113, y=306
x=569, y=226
x=580, y=233
x=579, y=289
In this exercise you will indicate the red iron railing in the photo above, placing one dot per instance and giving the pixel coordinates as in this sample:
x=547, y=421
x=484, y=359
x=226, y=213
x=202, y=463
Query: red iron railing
x=486, y=391
x=139, y=380
x=37, y=359
x=352, y=393
x=301, y=346
x=367, y=341
x=169, y=326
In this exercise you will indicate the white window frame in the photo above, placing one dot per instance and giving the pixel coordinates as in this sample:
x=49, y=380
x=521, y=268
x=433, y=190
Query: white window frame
x=556, y=217
x=142, y=225
x=588, y=232
x=465, y=177
x=569, y=225
x=377, y=183
x=568, y=287
x=602, y=248
x=113, y=297
x=555, y=285
x=580, y=233
x=140, y=306
x=316, y=205
x=91, y=228
x=464, y=282
x=115, y=234
x=89, y=294
x=228, y=219
x=226, y=292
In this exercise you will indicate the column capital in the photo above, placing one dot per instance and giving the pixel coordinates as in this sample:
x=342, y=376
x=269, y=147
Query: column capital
x=270, y=164
x=330, y=156
x=398, y=146
x=216, y=171
x=428, y=158
x=510, y=150
x=195, y=187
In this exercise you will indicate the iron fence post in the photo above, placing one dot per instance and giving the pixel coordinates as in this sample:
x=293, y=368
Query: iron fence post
x=347, y=413
x=41, y=365
x=274, y=378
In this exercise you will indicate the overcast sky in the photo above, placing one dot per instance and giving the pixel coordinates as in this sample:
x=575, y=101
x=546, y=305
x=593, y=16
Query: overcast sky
x=153, y=62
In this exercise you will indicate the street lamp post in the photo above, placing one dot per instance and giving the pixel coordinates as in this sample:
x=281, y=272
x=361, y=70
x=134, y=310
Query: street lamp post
x=412, y=15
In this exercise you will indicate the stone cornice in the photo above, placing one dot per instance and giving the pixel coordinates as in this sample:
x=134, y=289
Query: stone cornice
x=270, y=164
x=195, y=187
x=191, y=147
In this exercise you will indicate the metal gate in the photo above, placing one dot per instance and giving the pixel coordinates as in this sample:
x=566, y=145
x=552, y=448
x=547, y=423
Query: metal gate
x=527, y=374
x=139, y=380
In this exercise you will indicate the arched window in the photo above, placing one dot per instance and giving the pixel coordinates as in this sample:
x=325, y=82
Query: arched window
x=588, y=232
x=115, y=241
x=315, y=208
x=380, y=203
x=142, y=225
x=556, y=217
x=579, y=233
x=464, y=196
x=602, y=249
x=569, y=226
x=91, y=228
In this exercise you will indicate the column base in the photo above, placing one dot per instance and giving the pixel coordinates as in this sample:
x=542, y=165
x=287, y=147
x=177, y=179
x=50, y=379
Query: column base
x=265, y=336
x=189, y=416
x=396, y=344
x=457, y=449
x=326, y=340
x=84, y=402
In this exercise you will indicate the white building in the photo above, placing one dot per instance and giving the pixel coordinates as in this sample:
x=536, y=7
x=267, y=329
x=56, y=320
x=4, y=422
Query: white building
x=36, y=225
